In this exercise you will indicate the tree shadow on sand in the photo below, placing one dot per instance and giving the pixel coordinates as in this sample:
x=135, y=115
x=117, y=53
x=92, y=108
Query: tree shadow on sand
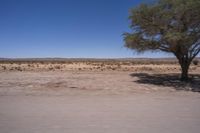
x=169, y=80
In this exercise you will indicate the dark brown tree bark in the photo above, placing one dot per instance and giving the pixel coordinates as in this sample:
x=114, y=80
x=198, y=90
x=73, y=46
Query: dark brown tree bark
x=185, y=64
x=184, y=72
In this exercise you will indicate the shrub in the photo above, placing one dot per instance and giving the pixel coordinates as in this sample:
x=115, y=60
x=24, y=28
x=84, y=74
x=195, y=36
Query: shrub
x=196, y=62
x=4, y=67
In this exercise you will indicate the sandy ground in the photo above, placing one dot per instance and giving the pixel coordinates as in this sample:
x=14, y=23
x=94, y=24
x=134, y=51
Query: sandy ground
x=95, y=102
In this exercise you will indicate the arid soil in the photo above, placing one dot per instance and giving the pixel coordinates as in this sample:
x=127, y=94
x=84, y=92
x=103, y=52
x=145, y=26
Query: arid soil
x=96, y=98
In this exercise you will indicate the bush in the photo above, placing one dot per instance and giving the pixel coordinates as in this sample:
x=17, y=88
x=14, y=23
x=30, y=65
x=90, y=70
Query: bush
x=4, y=67
x=195, y=62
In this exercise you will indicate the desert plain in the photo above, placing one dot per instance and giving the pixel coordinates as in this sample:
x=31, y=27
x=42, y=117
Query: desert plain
x=98, y=96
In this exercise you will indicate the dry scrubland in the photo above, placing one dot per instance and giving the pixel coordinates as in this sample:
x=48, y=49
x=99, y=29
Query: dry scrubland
x=98, y=96
x=134, y=65
x=113, y=76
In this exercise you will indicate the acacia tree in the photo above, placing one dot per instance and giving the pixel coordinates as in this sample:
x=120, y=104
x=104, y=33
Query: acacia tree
x=167, y=25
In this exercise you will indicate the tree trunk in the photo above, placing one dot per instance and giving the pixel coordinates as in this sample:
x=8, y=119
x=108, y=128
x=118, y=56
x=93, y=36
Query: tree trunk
x=185, y=64
x=184, y=72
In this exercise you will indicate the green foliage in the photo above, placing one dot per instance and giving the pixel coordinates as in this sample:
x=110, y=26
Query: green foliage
x=176, y=22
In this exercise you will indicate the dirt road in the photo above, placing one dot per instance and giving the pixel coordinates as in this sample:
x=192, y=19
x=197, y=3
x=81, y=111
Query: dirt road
x=29, y=103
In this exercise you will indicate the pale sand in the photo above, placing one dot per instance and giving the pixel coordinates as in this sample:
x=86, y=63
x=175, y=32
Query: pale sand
x=93, y=102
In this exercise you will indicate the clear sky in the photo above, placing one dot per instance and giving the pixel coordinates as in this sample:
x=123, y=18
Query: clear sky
x=66, y=28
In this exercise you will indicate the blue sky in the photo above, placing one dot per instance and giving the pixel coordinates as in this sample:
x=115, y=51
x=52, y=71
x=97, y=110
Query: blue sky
x=66, y=28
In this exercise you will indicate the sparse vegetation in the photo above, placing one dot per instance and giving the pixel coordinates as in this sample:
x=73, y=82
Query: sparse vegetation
x=57, y=67
x=51, y=68
x=134, y=65
x=196, y=62
x=4, y=67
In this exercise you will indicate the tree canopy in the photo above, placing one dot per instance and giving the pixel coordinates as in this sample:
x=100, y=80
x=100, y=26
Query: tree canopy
x=167, y=25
